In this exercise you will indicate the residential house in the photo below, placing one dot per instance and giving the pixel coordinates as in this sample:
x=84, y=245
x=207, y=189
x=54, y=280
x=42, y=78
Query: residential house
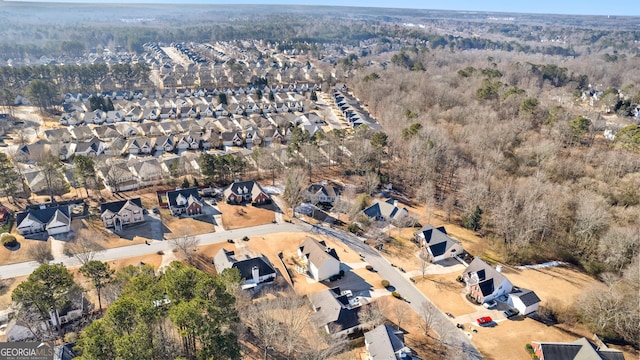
x=322, y=192
x=164, y=143
x=72, y=118
x=167, y=112
x=58, y=135
x=135, y=114
x=231, y=138
x=184, y=201
x=106, y=132
x=484, y=283
x=81, y=133
x=117, y=177
x=253, y=270
x=385, y=211
x=319, y=260
x=116, y=214
x=580, y=349
x=169, y=128
x=189, y=141
x=437, y=244
x=151, y=113
x=91, y=148
x=115, y=116
x=385, y=342
x=97, y=117
x=64, y=151
x=253, y=139
x=51, y=219
x=139, y=146
x=246, y=191
x=117, y=147
x=524, y=300
x=148, y=172
x=336, y=311
x=127, y=130
x=32, y=152
x=150, y=129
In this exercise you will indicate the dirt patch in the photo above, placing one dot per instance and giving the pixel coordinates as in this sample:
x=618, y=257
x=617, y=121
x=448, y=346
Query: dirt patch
x=287, y=243
x=401, y=251
x=6, y=288
x=445, y=292
x=509, y=338
x=21, y=254
x=240, y=216
x=564, y=284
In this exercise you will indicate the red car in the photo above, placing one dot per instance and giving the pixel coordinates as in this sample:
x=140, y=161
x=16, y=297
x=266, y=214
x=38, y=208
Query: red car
x=484, y=320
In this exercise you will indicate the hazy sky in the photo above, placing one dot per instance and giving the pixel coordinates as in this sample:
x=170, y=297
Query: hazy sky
x=583, y=7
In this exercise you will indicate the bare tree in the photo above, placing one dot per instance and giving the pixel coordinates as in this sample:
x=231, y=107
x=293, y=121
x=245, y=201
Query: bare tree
x=293, y=313
x=186, y=244
x=295, y=188
x=84, y=247
x=400, y=312
x=428, y=317
x=370, y=315
x=265, y=328
x=424, y=261
x=371, y=182
x=41, y=252
x=30, y=318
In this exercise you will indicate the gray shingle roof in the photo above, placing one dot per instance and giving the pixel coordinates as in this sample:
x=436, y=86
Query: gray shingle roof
x=528, y=297
x=384, y=342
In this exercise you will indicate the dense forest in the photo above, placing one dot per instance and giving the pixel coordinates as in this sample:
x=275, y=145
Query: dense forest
x=501, y=142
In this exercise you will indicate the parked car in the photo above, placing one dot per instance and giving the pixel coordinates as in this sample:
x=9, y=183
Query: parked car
x=490, y=304
x=511, y=313
x=484, y=320
x=155, y=210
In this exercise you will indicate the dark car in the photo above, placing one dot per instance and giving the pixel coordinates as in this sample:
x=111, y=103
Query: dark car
x=511, y=313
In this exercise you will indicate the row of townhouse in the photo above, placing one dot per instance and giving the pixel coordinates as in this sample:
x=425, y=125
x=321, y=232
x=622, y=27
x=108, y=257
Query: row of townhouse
x=350, y=108
x=182, y=93
x=181, y=109
x=175, y=136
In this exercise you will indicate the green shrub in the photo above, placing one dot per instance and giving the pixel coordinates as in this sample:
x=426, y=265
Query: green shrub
x=8, y=240
x=529, y=348
x=353, y=228
x=386, y=283
x=396, y=295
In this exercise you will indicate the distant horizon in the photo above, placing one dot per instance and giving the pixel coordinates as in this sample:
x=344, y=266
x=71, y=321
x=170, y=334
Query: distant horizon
x=570, y=7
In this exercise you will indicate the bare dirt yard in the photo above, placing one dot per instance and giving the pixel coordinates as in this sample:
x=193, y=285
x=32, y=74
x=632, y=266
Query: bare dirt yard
x=445, y=292
x=240, y=216
x=287, y=243
x=507, y=340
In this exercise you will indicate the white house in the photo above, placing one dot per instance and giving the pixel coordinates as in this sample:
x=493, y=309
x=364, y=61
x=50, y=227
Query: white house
x=525, y=300
x=253, y=270
x=54, y=220
x=321, y=262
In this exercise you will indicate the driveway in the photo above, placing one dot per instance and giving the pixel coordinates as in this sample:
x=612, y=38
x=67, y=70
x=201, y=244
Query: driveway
x=406, y=289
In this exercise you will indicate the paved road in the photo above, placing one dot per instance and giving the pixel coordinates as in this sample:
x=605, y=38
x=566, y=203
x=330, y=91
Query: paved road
x=456, y=337
x=25, y=268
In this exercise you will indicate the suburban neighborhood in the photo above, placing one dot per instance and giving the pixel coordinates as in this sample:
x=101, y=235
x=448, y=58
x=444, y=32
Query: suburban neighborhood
x=322, y=183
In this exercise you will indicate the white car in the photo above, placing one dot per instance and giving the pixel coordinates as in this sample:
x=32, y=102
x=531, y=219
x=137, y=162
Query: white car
x=490, y=305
